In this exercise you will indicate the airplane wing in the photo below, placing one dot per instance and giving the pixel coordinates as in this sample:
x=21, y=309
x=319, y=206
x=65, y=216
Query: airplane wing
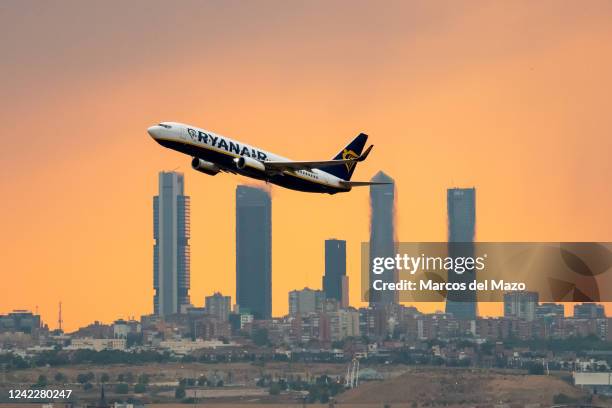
x=308, y=165
x=363, y=183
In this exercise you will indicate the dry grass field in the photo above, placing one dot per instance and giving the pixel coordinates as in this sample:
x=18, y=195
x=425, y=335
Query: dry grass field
x=402, y=386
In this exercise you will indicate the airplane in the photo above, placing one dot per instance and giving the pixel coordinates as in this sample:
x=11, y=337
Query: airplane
x=213, y=153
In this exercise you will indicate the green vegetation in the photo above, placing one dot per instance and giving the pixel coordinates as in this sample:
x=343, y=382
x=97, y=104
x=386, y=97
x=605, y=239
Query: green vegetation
x=260, y=337
x=275, y=389
x=535, y=369
x=122, y=388
x=179, y=393
x=83, y=378
x=60, y=378
x=41, y=382
x=587, y=343
x=563, y=399
x=140, y=388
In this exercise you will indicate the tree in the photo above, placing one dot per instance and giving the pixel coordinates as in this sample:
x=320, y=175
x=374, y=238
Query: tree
x=104, y=378
x=122, y=388
x=179, y=393
x=41, y=382
x=59, y=377
x=87, y=386
x=536, y=369
x=82, y=378
x=129, y=377
x=260, y=337
x=143, y=379
x=275, y=389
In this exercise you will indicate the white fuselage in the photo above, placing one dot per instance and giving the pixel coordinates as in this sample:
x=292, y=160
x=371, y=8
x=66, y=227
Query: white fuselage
x=219, y=153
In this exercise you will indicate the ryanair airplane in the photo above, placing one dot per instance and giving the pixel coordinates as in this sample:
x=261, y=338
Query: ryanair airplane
x=213, y=153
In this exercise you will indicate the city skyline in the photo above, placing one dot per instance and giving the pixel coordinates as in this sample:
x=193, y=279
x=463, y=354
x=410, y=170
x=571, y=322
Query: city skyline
x=253, y=206
x=516, y=113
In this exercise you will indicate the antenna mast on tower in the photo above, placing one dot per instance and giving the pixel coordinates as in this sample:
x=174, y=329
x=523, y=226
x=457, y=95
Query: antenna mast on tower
x=59, y=319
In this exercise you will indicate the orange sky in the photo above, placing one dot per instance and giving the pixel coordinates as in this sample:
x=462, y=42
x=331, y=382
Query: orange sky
x=510, y=97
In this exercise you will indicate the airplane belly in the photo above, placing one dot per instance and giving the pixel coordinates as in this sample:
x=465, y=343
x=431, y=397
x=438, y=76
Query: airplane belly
x=299, y=184
x=226, y=162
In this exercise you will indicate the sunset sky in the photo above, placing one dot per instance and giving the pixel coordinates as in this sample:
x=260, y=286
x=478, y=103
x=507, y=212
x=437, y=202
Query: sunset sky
x=511, y=97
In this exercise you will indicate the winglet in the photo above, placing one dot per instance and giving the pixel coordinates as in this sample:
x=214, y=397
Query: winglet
x=365, y=154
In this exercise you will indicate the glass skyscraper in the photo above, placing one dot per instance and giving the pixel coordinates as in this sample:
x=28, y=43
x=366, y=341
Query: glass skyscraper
x=171, y=261
x=461, y=206
x=335, y=281
x=254, y=251
x=382, y=235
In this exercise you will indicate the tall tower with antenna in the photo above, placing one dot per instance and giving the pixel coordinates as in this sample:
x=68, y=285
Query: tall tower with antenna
x=59, y=317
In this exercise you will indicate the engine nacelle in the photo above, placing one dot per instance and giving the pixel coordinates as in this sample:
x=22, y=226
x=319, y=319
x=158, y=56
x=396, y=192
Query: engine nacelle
x=204, y=167
x=242, y=162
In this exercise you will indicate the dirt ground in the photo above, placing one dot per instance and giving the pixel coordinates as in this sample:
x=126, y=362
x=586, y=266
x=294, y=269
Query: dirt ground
x=462, y=386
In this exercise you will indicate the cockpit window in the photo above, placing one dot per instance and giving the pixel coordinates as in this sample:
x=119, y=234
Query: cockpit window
x=165, y=126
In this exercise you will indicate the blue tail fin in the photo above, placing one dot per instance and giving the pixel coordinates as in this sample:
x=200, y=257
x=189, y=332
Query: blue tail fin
x=352, y=150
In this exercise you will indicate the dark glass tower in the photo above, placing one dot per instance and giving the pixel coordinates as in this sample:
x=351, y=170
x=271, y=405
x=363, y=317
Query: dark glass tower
x=461, y=205
x=171, y=262
x=382, y=235
x=335, y=281
x=254, y=251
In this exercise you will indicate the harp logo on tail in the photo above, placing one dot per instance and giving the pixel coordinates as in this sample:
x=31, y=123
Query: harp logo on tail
x=347, y=155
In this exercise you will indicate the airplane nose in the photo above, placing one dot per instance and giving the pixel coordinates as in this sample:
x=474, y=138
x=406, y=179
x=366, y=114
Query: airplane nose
x=153, y=131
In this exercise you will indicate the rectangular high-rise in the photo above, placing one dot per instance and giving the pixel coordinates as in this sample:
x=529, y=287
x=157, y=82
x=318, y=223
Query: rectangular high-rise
x=254, y=251
x=335, y=281
x=306, y=301
x=589, y=311
x=171, y=254
x=218, y=306
x=521, y=305
x=382, y=235
x=461, y=207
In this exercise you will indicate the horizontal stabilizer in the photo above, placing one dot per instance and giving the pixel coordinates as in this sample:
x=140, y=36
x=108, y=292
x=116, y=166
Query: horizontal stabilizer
x=309, y=165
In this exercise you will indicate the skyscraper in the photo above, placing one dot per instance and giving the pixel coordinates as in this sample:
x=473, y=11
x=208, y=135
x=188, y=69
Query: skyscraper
x=461, y=206
x=335, y=281
x=171, y=262
x=254, y=251
x=382, y=235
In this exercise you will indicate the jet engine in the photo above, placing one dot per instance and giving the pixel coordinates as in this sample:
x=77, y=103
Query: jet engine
x=242, y=162
x=205, y=167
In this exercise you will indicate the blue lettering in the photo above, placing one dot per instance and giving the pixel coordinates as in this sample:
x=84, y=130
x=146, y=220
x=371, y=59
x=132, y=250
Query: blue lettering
x=234, y=147
x=202, y=137
x=245, y=152
x=222, y=144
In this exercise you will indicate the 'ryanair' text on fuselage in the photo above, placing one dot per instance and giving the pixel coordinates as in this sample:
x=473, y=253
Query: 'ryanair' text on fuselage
x=228, y=146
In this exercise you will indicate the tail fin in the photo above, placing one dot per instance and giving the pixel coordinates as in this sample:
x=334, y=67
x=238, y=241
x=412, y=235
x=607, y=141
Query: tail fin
x=351, y=151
